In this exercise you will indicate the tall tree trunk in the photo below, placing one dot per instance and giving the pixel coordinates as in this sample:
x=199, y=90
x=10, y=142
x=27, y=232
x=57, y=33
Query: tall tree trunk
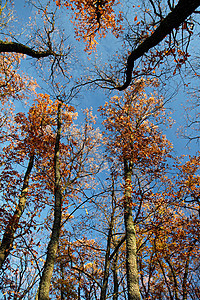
x=186, y=273
x=9, y=234
x=107, y=260
x=45, y=280
x=79, y=286
x=115, y=277
x=131, y=256
x=176, y=289
x=62, y=296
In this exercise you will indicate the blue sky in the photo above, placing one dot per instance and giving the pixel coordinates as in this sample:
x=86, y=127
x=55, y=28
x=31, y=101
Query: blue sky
x=94, y=98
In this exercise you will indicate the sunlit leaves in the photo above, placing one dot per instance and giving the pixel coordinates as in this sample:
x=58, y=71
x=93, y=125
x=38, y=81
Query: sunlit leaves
x=133, y=122
x=94, y=19
x=13, y=86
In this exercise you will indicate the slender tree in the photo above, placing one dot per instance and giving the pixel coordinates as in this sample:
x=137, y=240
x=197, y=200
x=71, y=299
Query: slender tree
x=141, y=150
x=54, y=240
x=9, y=234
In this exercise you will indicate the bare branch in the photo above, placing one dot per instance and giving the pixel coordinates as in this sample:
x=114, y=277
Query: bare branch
x=173, y=20
x=23, y=49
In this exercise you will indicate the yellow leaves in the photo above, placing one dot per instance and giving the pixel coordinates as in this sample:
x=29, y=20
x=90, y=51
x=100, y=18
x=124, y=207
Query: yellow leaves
x=93, y=42
x=41, y=259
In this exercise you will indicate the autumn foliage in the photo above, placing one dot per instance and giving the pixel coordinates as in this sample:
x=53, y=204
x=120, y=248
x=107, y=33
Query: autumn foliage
x=93, y=19
x=98, y=207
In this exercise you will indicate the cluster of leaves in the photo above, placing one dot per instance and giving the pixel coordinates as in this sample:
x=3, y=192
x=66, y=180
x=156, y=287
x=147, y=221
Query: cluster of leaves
x=133, y=135
x=93, y=19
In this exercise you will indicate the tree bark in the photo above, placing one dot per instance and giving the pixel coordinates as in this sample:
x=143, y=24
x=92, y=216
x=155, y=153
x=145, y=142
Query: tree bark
x=45, y=281
x=9, y=234
x=131, y=249
x=174, y=19
x=184, y=285
x=62, y=296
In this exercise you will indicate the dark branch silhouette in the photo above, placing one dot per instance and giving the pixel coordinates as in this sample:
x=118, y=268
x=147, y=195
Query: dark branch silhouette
x=174, y=19
x=6, y=46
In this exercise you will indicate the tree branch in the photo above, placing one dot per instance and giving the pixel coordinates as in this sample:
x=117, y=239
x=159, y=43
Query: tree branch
x=87, y=274
x=174, y=19
x=6, y=46
x=117, y=247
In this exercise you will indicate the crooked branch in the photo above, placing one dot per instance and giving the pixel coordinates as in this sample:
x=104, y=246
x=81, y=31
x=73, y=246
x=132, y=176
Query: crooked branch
x=174, y=19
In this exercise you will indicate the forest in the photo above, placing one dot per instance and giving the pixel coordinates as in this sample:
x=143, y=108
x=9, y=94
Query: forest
x=99, y=152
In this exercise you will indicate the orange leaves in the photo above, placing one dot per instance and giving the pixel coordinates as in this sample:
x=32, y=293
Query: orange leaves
x=173, y=234
x=37, y=129
x=188, y=180
x=13, y=87
x=58, y=3
x=133, y=125
x=94, y=18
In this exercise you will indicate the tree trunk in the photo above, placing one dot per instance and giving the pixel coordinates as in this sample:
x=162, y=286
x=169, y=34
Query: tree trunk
x=186, y=273
x=62, y=295
x=115, y=277
x=8, y=237
x=109, y=240
x=131, y=257
x=107, y=260
x=176, y=290
x=45, y=281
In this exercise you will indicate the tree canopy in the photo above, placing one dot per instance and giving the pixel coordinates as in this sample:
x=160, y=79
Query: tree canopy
x=99, y=157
